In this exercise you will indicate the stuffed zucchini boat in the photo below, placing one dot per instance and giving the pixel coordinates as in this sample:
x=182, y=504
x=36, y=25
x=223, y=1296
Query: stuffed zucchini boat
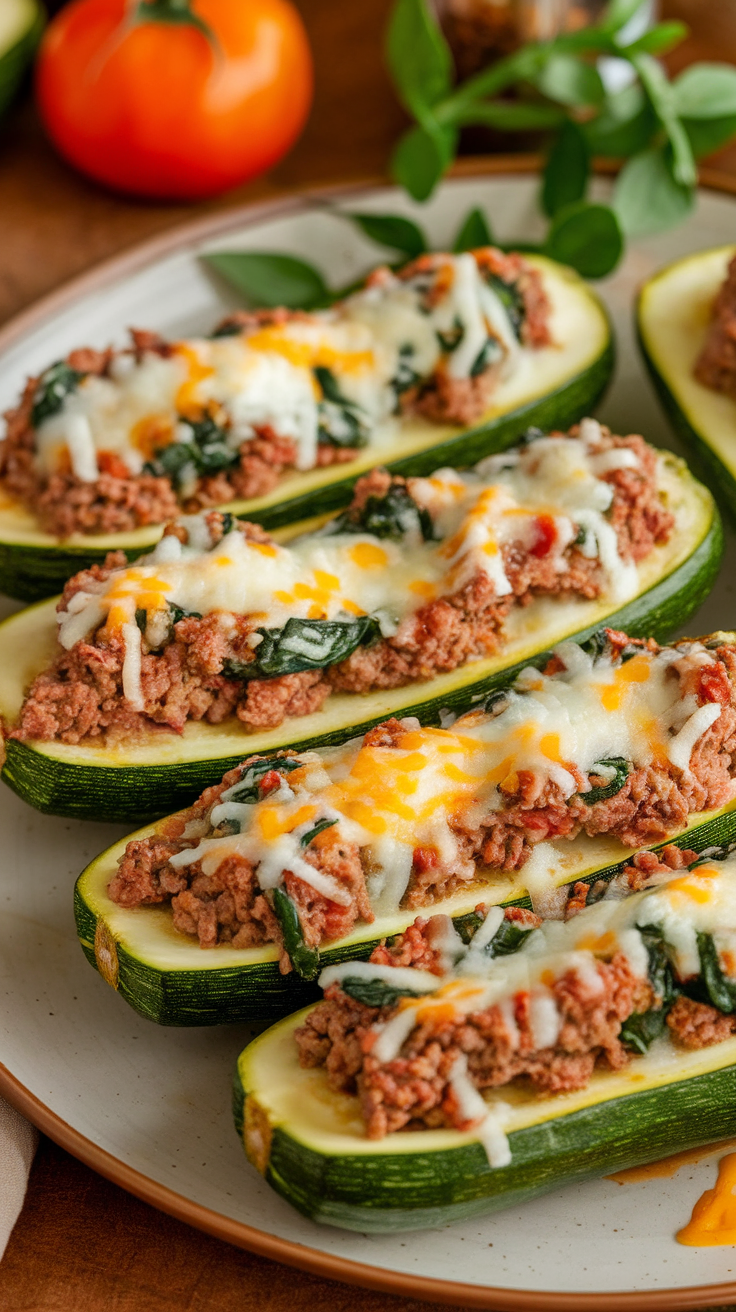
x=275, y=416
x=685, y=321
x=226, y=911
x=456, y=1074
x=424, y=595
x=21, y=25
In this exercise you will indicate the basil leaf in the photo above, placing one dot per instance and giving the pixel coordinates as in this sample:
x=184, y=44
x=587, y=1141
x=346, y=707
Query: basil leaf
x=54, y=386
x=586, y=236
x=419, y=58
x=570, y=81
x=566, y=171
x=615, y=136
x=705, y=91
x=720, y=990
x=421, y=157
x=658, y=40
x=619, y=13
x=392, y=516
x=319, y=828
x=663, y=101
x=394, y=231
x=604, y=791
x=375, y=992
x=474, y=231
x=304, y=959
x=647, y=198
x=267, y=279
x=707, y=135
x=311, y=644
x=248, y=787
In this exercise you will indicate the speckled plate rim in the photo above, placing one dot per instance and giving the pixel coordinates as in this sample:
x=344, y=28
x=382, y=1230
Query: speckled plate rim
x=304, y=1258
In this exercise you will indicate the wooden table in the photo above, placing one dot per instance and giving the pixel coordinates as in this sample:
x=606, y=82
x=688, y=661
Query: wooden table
x=82, y=1244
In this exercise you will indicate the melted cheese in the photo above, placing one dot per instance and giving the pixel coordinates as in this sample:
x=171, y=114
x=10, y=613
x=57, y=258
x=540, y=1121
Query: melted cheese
x=329, y=576
x=552, y=729
x=265, y=377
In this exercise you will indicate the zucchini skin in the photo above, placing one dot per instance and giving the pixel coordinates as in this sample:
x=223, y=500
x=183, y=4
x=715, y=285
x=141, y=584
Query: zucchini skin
x=30, y=572
x=14, y=61
x=136, y=794
x=411, y=1191
x=237, y=994
x=701, y=456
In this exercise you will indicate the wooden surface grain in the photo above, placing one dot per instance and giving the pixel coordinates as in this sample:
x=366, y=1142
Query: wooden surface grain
x=82, y=1244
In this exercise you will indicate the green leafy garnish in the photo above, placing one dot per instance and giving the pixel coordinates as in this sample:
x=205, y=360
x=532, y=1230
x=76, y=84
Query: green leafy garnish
x=474, y=231
x=622, y=770
x=394, y=231
x=304, y=959
x=54, y=386
x=268, y=279
x=310, y=645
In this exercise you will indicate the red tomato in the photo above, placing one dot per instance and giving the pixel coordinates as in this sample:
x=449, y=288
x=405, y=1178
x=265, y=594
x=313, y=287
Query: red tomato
x=153, y=107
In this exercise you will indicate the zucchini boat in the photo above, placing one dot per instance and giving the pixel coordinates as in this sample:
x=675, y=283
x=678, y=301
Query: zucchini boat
x=158, y=771
x=303, y=860
x=171, y=980
x=403, y=1100
x=674, y=322
x=21, y=24
x=549, y=386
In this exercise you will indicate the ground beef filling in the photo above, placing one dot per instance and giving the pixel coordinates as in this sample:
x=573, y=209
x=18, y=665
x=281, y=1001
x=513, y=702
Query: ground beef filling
x=80, y=697
x=653, y=803
x=414, y=1091
x=119, y=501
x=716, y=364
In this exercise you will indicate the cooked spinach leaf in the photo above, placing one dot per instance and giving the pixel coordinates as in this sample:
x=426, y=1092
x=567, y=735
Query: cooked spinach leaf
x=641, y=1029
x=489, y=353
x=310, y=645
x=54, y=386
x=718, y=988
x=342, y=422
x=206, y=452
x=177, y=613
x=392, y=516
x=507, y=939
x=406, y=375
x=512, y=300
x=304, y=959
x=604, y=791
x=319, y=828
x=374, y=992
x=248, y=788
x=599, y=644
x=450, y=340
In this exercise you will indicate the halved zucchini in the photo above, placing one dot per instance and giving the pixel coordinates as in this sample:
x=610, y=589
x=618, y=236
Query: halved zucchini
x=552, y=388
x=673, y=319
x=310, y=1145
x=169, y=978
x=165, y=771
x=21, y=24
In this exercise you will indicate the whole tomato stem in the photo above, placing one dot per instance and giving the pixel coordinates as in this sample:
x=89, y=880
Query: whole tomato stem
x=173, y=11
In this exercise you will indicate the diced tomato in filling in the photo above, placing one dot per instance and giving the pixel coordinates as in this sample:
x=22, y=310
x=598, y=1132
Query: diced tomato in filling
x=110, y=463
x=425, y=858
x=713, y=685
x=546, y=535
x=270, y=781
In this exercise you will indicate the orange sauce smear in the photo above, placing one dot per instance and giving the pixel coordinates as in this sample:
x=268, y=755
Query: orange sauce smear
x=713, y=1221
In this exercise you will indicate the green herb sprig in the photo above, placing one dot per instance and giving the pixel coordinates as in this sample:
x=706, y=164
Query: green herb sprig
x=659, y=127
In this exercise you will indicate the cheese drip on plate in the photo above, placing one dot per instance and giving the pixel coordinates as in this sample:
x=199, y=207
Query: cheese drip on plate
x=539, y=497
x=332, y=376
x=555, y=729
x=681, y=907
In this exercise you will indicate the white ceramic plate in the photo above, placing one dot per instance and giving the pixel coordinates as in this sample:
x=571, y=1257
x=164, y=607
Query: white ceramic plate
x=151, y=1107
